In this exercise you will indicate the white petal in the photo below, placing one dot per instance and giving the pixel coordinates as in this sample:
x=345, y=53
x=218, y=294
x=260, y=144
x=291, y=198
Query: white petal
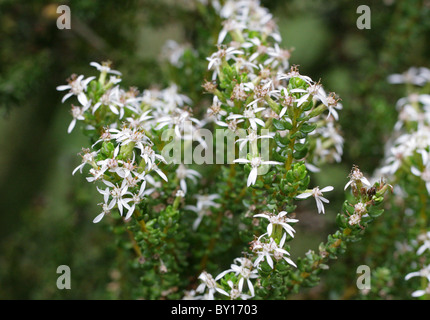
x=252, y=176
x=99, y=217
x=304, y=195
x=326, y=189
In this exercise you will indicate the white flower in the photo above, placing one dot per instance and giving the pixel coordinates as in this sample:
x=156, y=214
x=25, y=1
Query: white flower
x=149, y=155
x=77, y=87
x=87, y=158
x=181, y=121
x=252, y=137
x=244, y=271
x=215, y=60
x=426, y=243
x=395, y=160
x=155, y=168
x=278, y=57
x=294, y=73
x=355, y=177
x=267, y=250
x=215, y=110
x=140, y=121
x=229, y=25
x=127, y=168
x=236, y=293
x=416, y=76
x=78, y=114
x=97, y=174
x=318, y=195
x=106, y=210
x=255, y=163
x=332, y=105
x=202, y=207
x=278, y=219
x=209, y=282
x=117, y=193
x=111, y=98
x=424, y=174
x=250, y=115
x=136, y=199
x=183, y=173
x=230, y=124
x=104, y=67
x=315, y=90
x=260, y=92
x=424, y=272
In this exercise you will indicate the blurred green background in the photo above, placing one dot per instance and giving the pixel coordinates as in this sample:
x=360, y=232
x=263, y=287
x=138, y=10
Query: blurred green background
x=46, y=213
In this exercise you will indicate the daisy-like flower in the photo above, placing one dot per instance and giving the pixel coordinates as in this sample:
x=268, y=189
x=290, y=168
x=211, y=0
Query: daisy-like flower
x=414, y=75
x=315, y=90
x=149, y=155
x=77, y=87
x=236, y=293
x=228, y=26
x=131, y=135
x=106, y=210
x=252, y=137
x=424, y=272
x=260, y=48
x=318, y=195
x=355, y=177
x=216, y=58
x=117, y=193
x=215, y=111
x=127, y=168
x=245, y=270
x=181, y=121
x=266, y=250
x=333, y=105
x=250, y=115
x=240, y=92
x=105, y=136
x=105, y=67
x=154, y=167
x=202, y=207
x=294, y=73
x=209, y=282
x=183, y=173
x=230, y=124
x=88, y=157
x=395, y=160
x=140, y=120
x=78, y=114
x=255, y=163
x=279, y=219
x=424, y=174
x=425, y=238
x=278, y=58
x=135, y=200
x=97, y=174
x=111, y=99
x=260, y=92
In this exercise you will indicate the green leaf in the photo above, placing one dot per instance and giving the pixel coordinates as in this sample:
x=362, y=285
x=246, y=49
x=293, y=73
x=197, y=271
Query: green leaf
x=307, y=128
x=282, y=124
x=374, y=212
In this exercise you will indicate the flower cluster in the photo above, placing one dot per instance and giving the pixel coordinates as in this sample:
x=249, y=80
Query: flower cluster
x=406, y=164
x=124, y=158
x=284, y=126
